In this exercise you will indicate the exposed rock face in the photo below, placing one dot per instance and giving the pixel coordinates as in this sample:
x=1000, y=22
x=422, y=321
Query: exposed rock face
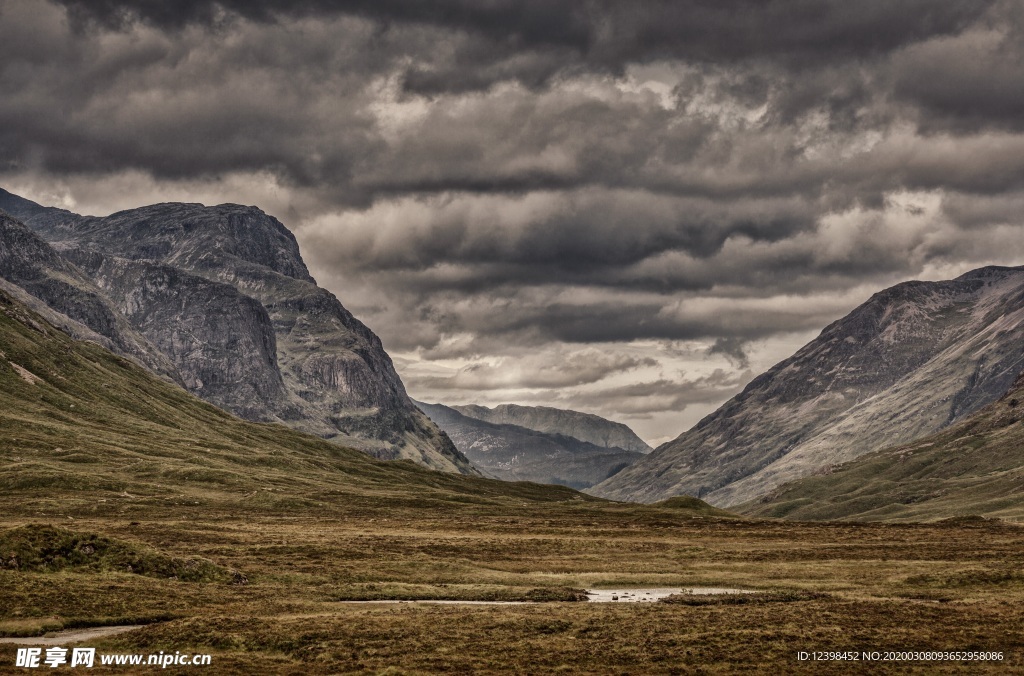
x=68, y=298
x=515, y=453
x=224, y=295
x=583, y=426
x=221, y=341
x=912, y=360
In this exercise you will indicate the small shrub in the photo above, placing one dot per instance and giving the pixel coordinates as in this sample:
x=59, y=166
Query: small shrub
x=556, y=594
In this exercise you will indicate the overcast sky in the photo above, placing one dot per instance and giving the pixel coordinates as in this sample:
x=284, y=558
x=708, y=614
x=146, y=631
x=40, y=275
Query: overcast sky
x=625, y=207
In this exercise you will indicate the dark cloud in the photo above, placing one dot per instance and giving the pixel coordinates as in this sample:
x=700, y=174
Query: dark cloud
x=666, y=395
x=732, y=347
x=459, y=325
x=288, y=89
x=976, y=212
x=570, y=369
x=964, y=82
x=613, y=322
x=604, y=29
x=184, y=107
x=482, y=178
x=560, y=237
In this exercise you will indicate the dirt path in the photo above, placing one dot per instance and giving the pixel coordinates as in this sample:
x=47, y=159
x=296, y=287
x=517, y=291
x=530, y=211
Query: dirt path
x=72, y=635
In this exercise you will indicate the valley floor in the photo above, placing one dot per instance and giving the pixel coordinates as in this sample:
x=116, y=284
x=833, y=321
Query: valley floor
x=833, y=587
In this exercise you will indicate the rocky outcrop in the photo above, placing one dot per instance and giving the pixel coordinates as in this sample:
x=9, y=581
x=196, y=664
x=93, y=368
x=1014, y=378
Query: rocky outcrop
x=912, y=360
x=70, y=298
x=221, y=341
x=583, y=426
x=224, y=295
x=515, y=453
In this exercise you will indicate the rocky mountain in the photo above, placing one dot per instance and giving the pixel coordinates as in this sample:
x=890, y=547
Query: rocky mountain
x=912, y=360
x=516, y=453
x=974, y=468
x=223, y=295
x=583, y=426
x=96, y=433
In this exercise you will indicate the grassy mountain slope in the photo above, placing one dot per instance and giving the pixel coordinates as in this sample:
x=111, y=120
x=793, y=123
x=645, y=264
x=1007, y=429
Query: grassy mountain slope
x=82, y=427
x=973, y=468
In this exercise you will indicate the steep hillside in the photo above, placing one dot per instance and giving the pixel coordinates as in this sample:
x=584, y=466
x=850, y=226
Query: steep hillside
x=87, y=429
x=583, y=426
x=973, y=468
x=912, y=360
x=224, y=295
x=516, y=453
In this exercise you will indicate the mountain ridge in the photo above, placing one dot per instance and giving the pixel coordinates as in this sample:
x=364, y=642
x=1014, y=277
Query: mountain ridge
x=583, y=426
x=912, y=359
x=515, y=453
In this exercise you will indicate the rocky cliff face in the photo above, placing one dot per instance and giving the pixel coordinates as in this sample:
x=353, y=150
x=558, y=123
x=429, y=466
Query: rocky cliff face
x=224, y=295
x=583, y=426
x=913, y=359
x=68, y=298
x=515, y=453
x=221, y=341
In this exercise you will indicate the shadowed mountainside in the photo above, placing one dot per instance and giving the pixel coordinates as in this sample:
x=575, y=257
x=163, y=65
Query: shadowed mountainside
x=973, y=468
x=38, y=275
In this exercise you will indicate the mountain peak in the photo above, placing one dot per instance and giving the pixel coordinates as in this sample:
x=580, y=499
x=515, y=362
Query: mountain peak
x=195, y=236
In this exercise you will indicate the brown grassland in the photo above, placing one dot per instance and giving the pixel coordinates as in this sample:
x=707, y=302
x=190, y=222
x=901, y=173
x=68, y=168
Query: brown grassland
x=124, y=500
x=951, y=586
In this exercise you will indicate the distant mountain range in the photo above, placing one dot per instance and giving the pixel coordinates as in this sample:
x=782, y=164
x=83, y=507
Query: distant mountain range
x=583, y=426
x=912, y=360
x=547, y=455
x=218, y=300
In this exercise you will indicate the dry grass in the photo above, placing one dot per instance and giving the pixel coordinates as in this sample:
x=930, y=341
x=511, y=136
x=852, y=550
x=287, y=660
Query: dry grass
x=826, y=587
x=103, y=466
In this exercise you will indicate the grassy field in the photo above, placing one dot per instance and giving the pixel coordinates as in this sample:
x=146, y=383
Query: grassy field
x=955, y=586
x=124, y=500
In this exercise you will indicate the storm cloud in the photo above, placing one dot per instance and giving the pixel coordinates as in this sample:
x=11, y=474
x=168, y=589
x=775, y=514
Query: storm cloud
x=550, y=201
